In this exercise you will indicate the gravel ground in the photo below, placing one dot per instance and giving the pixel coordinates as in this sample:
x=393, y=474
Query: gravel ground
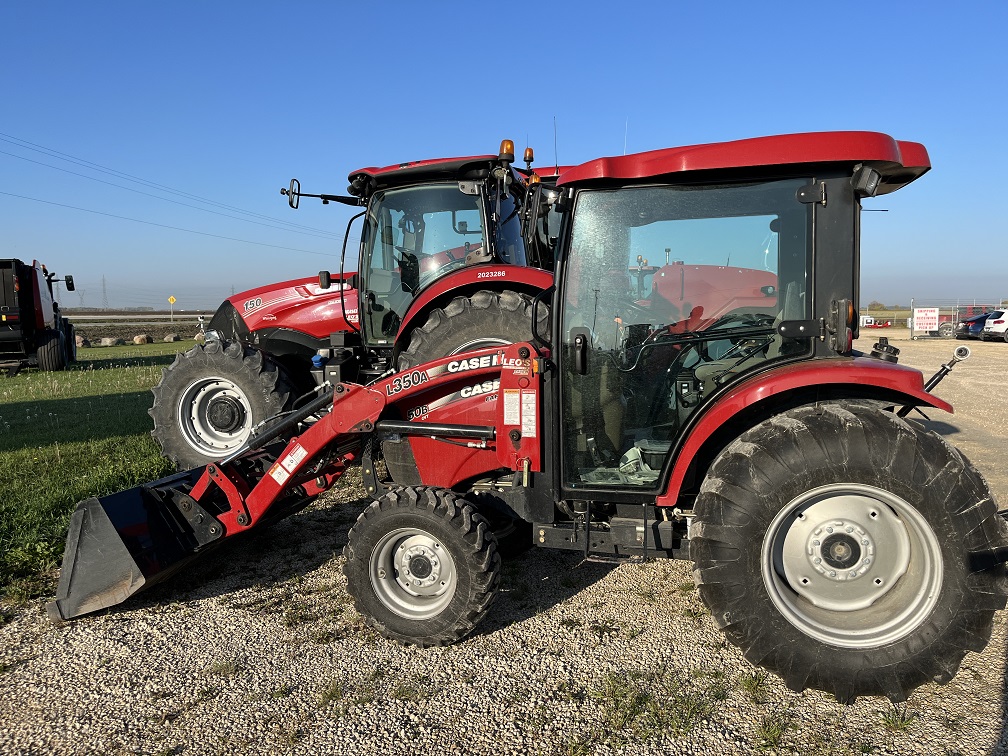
x=258, y=650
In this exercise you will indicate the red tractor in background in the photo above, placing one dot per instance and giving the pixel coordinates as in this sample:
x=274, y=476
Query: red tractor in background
x=836, y=543
x=32, y=330
x=440, y=238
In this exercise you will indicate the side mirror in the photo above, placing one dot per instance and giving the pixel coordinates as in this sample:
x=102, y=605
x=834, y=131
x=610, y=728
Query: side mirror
x=324, y=280
x=354, y=282
x=293, y=193
x=68, y=281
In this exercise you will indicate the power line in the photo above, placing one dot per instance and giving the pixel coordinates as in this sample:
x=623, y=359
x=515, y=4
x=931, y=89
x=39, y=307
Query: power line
x=294, y=227
x=25, y=144
x=174, y=228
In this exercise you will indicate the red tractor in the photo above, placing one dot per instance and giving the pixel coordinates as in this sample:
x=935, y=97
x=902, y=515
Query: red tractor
x=32, y=330
x=837, y=543
x=440, y=237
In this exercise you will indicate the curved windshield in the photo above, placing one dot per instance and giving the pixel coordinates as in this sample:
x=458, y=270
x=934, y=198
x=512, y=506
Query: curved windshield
x=413, y=236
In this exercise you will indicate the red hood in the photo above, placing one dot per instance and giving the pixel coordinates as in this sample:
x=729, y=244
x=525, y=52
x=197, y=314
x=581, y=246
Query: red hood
x=299, y=305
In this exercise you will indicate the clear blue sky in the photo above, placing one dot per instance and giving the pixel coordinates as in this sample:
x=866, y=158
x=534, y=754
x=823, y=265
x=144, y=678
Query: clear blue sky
x=227, y=101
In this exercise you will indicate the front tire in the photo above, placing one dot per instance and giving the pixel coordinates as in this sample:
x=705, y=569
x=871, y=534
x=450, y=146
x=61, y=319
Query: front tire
x=846, y=550
x=210, y=398
x=422, y=566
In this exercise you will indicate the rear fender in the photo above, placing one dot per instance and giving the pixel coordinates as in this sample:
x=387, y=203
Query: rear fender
x=468, y=281
x=800, y=383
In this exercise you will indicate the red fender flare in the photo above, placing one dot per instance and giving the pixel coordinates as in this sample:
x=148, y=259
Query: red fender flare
x=904, y=381
x=496, y=277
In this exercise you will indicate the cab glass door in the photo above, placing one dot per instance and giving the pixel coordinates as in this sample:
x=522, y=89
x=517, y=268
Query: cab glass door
x=670, y=295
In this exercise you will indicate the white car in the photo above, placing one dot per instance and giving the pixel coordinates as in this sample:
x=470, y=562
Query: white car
x=996, y=327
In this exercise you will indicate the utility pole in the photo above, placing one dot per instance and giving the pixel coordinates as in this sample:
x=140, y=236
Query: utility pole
x=104, y=294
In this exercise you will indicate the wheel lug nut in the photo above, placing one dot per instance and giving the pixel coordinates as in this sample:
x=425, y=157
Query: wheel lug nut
x=815, y=543
x=832, y=573
x=850, y=529
x=817, y=560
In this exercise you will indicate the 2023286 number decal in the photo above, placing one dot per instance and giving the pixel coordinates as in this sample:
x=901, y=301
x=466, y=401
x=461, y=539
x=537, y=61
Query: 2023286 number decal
x=491, y=274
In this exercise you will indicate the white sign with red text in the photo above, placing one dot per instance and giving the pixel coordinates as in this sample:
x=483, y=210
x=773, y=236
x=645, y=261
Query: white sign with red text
x=925, y=319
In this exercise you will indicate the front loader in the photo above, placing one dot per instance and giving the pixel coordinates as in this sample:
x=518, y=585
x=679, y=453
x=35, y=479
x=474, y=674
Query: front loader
x=835, y=541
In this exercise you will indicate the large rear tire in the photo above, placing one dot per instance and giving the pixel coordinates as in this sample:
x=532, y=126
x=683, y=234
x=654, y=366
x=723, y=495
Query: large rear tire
x=422, y=566
x=210, y=398
x=70, y=336
x=52, y=351
x=846, y=550
x=487, y=318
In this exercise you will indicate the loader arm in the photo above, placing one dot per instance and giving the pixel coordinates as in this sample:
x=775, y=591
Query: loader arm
x=121, y=544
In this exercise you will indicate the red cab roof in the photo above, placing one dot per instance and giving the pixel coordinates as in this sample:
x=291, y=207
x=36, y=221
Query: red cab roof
x=416, y=167
x=898, y=162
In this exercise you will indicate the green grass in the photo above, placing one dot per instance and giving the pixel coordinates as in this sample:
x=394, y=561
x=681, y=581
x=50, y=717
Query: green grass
x=898, y=718
x=64, y=437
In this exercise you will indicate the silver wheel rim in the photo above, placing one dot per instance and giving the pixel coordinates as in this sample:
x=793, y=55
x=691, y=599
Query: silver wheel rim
x=412, y=573
x=194, y=420
x=852, y=565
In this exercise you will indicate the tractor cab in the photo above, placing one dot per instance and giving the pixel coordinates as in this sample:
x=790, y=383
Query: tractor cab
x=426, y=220
x=417, y=233
x=432, y=230
x=757, y=254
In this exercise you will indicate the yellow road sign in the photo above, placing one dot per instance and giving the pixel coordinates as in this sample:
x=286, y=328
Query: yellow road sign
x=171, y=300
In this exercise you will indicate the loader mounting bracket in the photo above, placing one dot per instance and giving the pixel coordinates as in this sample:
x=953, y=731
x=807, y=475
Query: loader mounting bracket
x=206, y=527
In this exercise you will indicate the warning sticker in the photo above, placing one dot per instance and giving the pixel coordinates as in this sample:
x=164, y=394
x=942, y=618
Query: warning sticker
x=528, y=414
x=294, y=458
x=512, y=407
x=279, y=474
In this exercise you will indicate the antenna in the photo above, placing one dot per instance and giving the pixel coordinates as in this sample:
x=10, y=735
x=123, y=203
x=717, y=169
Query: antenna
x=626, y=129
x=556, y=160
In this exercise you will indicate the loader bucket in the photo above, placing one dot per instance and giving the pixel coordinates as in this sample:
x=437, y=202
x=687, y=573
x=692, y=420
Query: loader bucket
x=120, y=544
